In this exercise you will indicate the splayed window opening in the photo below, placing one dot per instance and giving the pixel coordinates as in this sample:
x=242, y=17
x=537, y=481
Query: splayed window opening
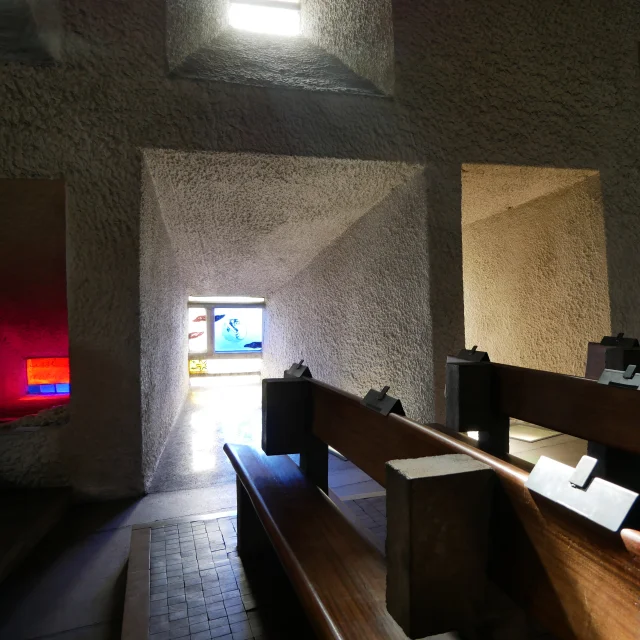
x=274, y=17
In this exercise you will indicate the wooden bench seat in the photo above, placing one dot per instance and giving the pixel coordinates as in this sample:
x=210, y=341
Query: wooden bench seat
x=338, y=575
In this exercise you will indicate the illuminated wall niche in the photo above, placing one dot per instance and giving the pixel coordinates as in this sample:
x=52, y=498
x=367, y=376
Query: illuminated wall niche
x=342, y=46
x=34, y=349
x=48, y=376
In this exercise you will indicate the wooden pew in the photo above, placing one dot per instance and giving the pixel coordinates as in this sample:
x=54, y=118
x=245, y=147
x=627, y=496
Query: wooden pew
x=568, y=575
x=338, y=575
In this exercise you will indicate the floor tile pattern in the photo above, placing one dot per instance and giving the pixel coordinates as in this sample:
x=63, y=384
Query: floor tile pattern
x=200, y=590
x=371, y=514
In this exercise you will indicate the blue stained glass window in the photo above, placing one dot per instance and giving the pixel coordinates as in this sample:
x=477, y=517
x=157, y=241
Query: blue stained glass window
x=237, y=330
x=49, y=389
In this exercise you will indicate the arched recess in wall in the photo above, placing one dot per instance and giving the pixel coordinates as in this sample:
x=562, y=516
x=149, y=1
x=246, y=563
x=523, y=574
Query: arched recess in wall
x=342, y=46
x=534, y=260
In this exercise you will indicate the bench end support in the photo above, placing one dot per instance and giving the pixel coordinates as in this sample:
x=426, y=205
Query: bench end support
x=438, y=512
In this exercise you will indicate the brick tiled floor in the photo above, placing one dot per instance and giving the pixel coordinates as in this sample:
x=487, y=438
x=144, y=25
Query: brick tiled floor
x=200, y=589
x=371, y=513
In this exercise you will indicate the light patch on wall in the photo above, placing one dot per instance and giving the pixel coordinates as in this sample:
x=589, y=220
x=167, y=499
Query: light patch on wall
x=534, y=262
x=280, y=18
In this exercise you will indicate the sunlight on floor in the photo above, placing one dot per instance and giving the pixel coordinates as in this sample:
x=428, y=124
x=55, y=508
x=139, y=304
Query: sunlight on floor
x=227, y=409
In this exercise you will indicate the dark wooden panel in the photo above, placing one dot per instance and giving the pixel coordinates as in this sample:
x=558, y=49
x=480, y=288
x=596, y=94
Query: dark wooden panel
x=338, y=575
x=567, y=575
x=579, y=407
x=438, y=511
x=471, y=405
x=369, y=439
x=596, y=360
x=285, y=414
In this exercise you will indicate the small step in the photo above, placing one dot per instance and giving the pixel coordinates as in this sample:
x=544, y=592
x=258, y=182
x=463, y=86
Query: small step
x=26, y=516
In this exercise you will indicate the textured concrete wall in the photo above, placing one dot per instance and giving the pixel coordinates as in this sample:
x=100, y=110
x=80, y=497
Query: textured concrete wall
x=163, y=331
x=262, y=60
x=360, y=314
x=245, y=223
x=359, y=33
x=488, y=189
x=32, y=457
x=510, y=81
x=48, y=21
x=535, y=281
x=190, y=25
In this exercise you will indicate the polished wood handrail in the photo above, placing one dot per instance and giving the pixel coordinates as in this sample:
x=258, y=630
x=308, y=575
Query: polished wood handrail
x=567, y=574
x=338, y=575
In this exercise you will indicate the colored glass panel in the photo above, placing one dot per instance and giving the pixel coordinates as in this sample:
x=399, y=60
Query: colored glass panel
x=48, y=389
x=47, y=370
x=212, y=366
x=237, y=330
x=197, y=367
x=198, y=337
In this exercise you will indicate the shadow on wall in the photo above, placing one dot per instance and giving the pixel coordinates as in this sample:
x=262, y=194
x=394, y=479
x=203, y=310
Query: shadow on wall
x=535, y=266
x=33, y=299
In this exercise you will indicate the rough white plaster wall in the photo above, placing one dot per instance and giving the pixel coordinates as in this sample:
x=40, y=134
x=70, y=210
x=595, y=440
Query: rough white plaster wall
x=163, y=331
x=271, y=61
x=32, y=457
x=245, y=224
x=359, y=314
x=510, y=82
x=191, y=24
x=358, y=32
x=535, y=281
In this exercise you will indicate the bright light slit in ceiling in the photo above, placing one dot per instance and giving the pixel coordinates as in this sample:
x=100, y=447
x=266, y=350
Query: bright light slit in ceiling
x=280, y=17
x=226, y=299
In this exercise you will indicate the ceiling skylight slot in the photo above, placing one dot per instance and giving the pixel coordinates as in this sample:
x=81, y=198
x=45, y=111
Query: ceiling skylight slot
x=275, y=17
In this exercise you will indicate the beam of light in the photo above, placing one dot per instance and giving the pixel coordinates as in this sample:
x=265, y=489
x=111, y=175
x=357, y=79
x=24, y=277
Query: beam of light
x=261, y=19
x=228, y=410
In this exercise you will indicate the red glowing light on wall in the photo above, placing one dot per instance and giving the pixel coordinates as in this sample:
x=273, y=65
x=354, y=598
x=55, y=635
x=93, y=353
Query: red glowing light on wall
x=47, y=370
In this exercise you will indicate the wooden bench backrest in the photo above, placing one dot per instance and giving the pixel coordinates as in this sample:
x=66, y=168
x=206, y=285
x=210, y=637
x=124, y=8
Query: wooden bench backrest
x=566, y=574
x=576, y=406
